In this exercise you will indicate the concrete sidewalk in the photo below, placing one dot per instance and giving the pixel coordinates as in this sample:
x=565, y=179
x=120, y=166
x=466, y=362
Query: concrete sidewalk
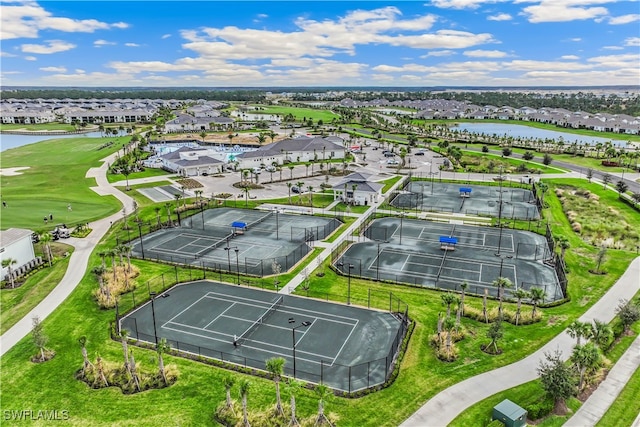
x=599, y=402
x=445, y=406
x=77, y=263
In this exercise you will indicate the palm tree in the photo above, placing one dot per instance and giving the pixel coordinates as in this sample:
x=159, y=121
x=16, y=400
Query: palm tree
x=124, y=335
x=495, y=332
x=162, y=348
x=310, y=190
x=601, y=334
x=501, y=283
x=291, y=170
x=542, y=187
x=484, y=305
x=519, y=294
x=245, y=190
x=448, y=299
x=292, y=386
x=275, y=366
x=449, y=325
x=46, y=239
x=133, y=370
x=167, y=206
x=585, y=357
x=536, y=295
x=83, y=348
x=245, y=385
x=7, y=263
x=563, y=244
x=579, y=330
x=323, y=392
x=228, y=381
x=289, y=185
x=157, y=209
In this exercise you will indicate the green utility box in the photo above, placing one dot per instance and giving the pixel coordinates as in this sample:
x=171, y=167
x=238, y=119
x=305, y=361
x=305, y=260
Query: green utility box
x=510, y=414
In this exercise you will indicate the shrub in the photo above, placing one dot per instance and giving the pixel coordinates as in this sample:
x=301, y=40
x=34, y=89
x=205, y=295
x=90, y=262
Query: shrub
x=540, y=409
x=495, y=423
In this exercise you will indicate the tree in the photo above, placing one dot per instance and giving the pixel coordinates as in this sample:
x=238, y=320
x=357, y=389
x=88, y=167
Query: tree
x=506, y=151
x=275, y=366
x=528, y=155
x=543, y=188
x=157, y=209
x=579, y=330
x=495, y=332
x=7, y=263
x=557, y=379
x=547, y=159
x=289, y=185
x=600, y=256
x=167, y=206
x=636, y=198
x=40, y=339
x=601, y=334
x=324, y=393
x=46, y=239
x=628, y=313
x=83, y=348
x=606, y=179
x=585, y=358
x=589, y=174
x=536, y=295
x=292, y=386
x=245, y=385
x=519, y=295
x=228, y=381
x=162, y=348
x=501, y=283
x=621, y=187
x=448, y=299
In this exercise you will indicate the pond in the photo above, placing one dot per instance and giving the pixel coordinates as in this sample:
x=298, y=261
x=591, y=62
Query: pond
x=520, y=131
x=8, y=141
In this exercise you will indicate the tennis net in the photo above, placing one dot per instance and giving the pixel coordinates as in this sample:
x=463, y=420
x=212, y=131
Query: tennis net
x=245, y=335
x=254, y=223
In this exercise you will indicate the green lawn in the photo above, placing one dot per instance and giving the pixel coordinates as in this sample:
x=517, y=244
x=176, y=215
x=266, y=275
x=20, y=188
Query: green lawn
x=299, y=113
x=624, y=409
x=55, y=179
x=148, y=172
x=192, y=399
x=38, y=127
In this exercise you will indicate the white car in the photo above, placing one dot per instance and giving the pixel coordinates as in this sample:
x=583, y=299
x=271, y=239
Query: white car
x=393, y=162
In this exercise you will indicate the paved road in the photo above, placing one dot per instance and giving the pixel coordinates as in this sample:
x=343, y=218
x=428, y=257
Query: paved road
x=445, y=406
x=77, y=263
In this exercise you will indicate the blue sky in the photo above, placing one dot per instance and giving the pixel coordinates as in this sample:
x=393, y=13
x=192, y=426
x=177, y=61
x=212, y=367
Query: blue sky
x=309, y=43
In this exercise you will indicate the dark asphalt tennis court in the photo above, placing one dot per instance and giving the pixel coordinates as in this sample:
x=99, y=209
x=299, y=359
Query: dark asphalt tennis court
x=413, y=254
x=517, y=203
x=347, y=348
x=208, y=239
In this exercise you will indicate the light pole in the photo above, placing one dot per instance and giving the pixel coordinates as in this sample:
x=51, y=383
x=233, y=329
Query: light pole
x=277, y=227
x=228, y=249
x=236, y=250
x=500, y=214
x=401, y=216
x=153, y=315
x=350, y=266
x=502, y=258
x=293, y=342
x=140, y=234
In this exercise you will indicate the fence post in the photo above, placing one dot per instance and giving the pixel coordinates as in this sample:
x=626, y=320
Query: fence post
x=349, y=379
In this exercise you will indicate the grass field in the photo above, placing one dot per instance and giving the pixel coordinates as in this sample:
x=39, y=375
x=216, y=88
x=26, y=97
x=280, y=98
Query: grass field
x=39, y=127
x=55, y=179
x=299, y=113
x=148, y=172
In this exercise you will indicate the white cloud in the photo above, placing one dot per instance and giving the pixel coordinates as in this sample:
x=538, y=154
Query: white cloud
x=26, y=20
x=30, y=58
x=624, y=19
x=632, y=41
x=132, y=44
x=462, y=4
x=54, y=69
x=575, y=39
x=165, y=36
x=485, y=53
x=80, y=71
x=612, y=48
x=7, y=55
x=570, y=57
x=564, y=10
x=500, y=17
x=100, y=43
x=53, y=46
x=439, y=53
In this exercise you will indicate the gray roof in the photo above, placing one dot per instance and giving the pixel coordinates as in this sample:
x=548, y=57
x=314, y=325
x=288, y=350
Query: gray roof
x=360, y=180
x=293, y=145
x=12, y=235
x=200, y=161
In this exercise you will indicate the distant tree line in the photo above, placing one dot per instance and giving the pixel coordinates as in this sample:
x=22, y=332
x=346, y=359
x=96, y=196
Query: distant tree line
x=587, y=100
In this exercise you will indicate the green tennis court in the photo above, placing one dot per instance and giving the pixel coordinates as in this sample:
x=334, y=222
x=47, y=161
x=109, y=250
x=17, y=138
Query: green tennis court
x=347, y=348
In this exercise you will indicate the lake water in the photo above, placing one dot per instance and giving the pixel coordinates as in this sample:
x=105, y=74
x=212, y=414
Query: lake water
x=8, y=141
x=521, y=131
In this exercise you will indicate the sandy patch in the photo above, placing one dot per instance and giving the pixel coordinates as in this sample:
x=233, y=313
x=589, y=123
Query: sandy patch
x=12, y=171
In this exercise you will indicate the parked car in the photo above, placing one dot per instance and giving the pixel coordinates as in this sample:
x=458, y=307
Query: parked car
x=389, y=154
x=295, y=189
x=420, y=153
x=393, y=162
x=257, y=170
x=270, y=168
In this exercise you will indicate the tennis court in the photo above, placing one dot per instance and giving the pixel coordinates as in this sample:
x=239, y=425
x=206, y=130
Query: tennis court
x=418, y=252
x=494, y=201
x=347, y=348
x=236, y=240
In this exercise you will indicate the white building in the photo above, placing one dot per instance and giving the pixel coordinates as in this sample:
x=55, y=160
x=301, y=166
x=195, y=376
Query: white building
x=16, y=244
x=356, y=190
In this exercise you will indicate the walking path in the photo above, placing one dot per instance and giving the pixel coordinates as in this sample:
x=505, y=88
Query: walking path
x=77, y=263
x=444, y=407
x=597, y=404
